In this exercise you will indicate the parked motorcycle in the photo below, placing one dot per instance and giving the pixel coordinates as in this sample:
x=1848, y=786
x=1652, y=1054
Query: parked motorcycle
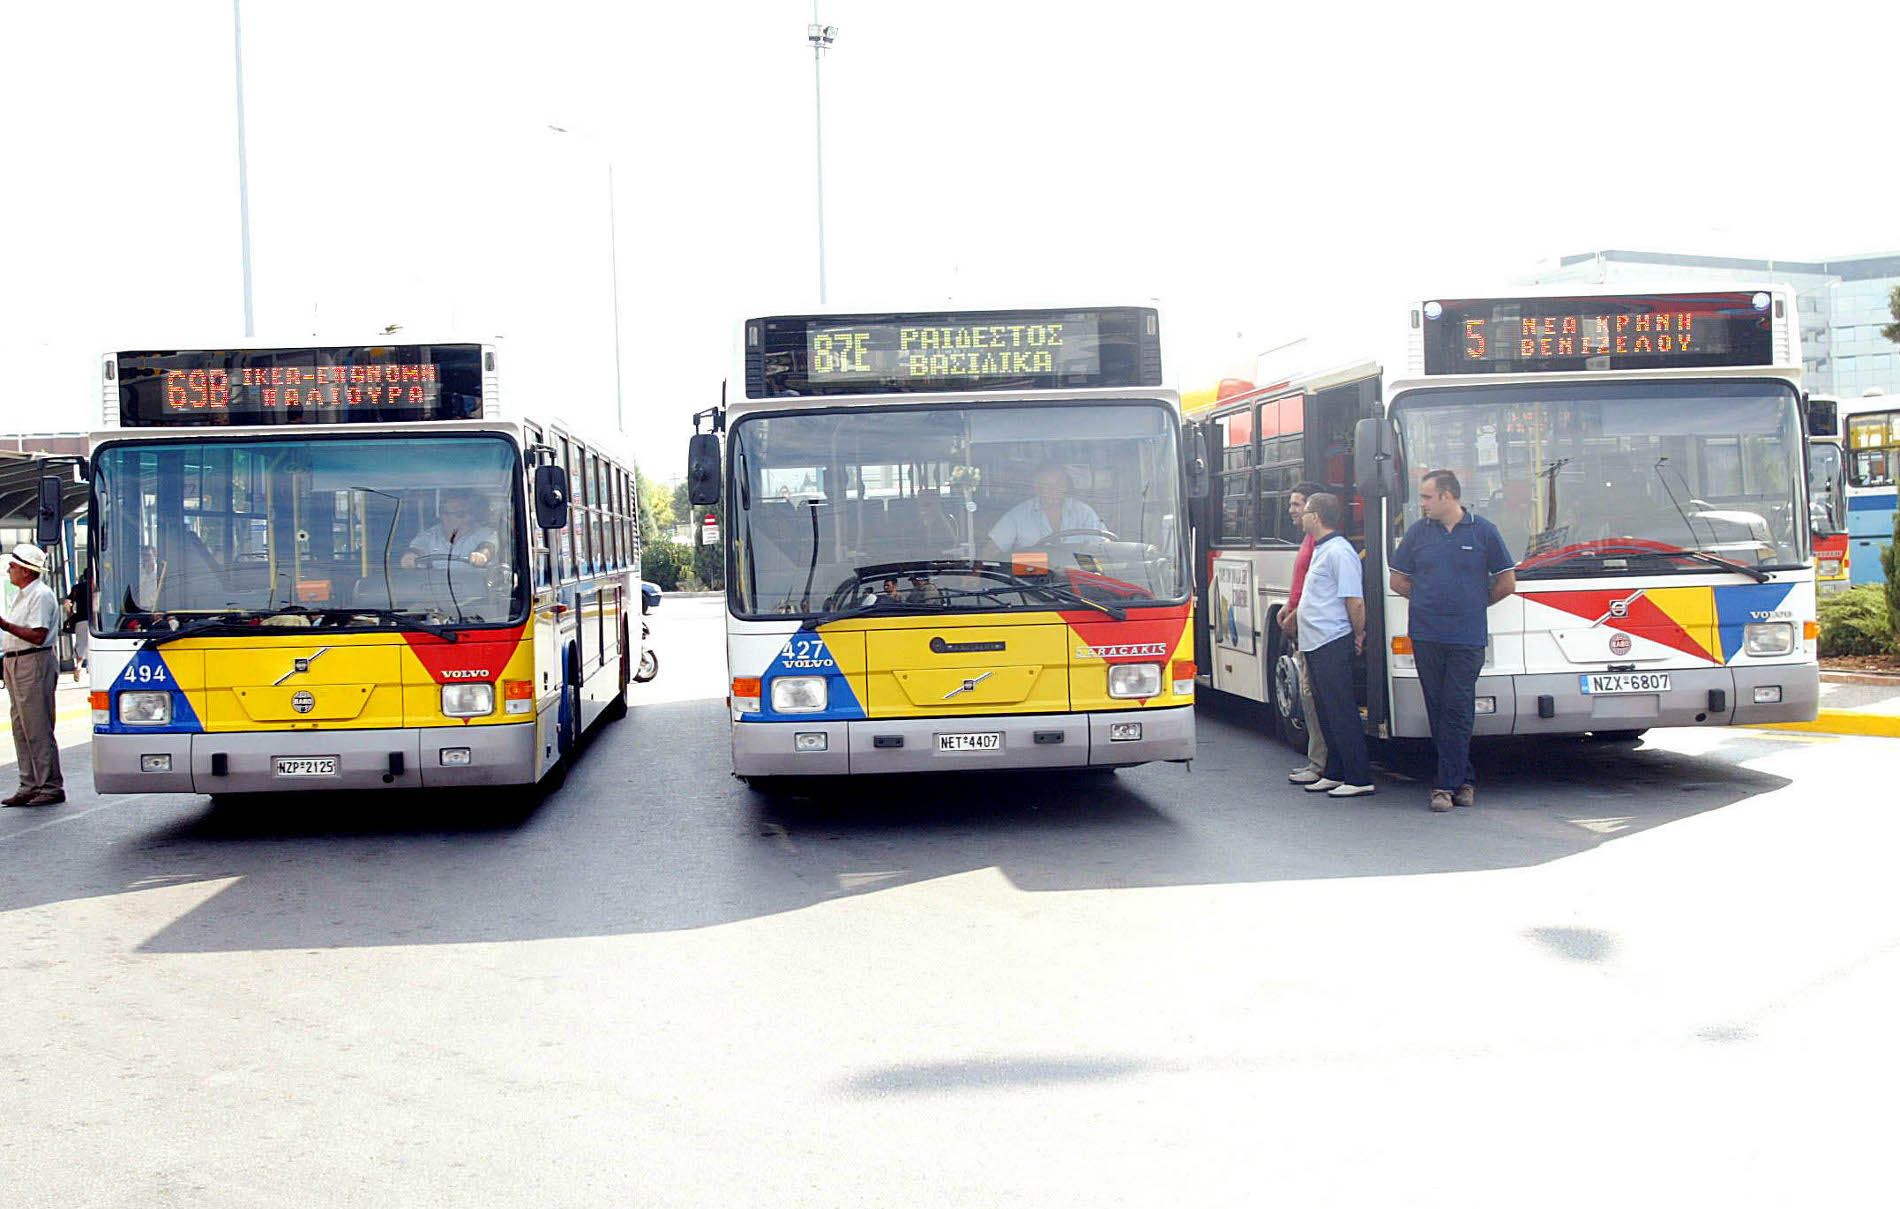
x=649, y=662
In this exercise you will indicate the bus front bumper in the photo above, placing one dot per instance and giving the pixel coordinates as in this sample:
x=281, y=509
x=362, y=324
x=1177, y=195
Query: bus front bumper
x=1026, y=741
x=1556, y=703
x=247, y=762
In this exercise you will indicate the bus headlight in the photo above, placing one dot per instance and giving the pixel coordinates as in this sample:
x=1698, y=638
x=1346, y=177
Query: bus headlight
x=800, y=695
x=1827, y=568
x=468, y=700
x=145, y=709
x=1768, y=638
x=1134, y=680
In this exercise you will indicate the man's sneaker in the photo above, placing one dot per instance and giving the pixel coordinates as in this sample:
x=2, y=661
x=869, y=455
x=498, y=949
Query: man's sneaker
x=1305, y=776
x=1322, y=785
x=1465, y=795
x=1441, y=800
x=1351, y=791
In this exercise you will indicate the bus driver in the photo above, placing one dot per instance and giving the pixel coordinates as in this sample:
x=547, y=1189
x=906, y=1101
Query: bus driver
x=461, y=530
x=1051, y=510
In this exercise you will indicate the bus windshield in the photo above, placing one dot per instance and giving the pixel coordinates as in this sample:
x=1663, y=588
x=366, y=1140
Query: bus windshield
x=1827, y=507
x=371, y=531
x=1609, y=478
x=956, y=508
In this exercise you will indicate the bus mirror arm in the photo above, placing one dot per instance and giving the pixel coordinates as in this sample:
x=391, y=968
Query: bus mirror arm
x=51, y=520
x=1375, y=461
x=550, y=497
x=1197, y=475
x=702, y=469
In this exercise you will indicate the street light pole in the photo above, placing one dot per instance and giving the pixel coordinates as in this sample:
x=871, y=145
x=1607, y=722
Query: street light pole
x=613, y=269
x=821, y=37
x=244, y=187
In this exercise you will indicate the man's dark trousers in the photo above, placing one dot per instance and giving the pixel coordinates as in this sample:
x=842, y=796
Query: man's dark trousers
x=1330, y=668
x=1448, y=672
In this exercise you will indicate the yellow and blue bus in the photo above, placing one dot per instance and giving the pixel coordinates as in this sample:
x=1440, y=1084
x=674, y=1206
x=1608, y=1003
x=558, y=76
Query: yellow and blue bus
x=1643, y=456
x=955, y=540
x=344, y=567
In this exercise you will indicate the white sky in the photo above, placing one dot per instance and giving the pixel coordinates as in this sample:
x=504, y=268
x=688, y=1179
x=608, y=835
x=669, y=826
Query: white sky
x=1264, y=175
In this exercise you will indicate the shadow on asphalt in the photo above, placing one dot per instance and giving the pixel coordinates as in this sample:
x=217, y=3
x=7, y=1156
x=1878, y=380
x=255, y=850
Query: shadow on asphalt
x=651, y=834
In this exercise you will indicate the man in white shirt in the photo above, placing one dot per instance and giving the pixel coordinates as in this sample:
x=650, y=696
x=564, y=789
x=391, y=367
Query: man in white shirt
x=1051, y=510
x=32, y=675
x=459, y=532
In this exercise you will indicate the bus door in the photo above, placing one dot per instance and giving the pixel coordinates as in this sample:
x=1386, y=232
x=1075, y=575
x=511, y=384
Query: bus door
x=1233, y=607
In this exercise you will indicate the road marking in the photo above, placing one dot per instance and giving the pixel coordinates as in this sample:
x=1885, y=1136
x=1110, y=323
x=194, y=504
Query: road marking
x=68, y=818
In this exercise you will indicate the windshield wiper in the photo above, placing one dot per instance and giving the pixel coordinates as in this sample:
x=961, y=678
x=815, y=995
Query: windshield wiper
x=879, y=605
x=1624, y=553
x=235, y=621
x=396, y=617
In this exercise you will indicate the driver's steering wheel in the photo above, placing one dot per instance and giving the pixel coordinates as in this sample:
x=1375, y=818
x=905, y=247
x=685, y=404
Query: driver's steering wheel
x=1059, y=534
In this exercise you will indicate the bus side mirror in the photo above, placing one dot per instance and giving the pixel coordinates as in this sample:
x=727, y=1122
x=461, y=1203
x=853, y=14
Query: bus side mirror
x=702, y=469
x=550, y=497
x=1197, y=472
x=1375, y=460
x=52, y=512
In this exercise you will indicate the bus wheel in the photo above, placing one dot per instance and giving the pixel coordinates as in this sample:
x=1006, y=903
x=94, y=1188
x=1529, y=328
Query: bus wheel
x=649, y=667
x=1285, y=692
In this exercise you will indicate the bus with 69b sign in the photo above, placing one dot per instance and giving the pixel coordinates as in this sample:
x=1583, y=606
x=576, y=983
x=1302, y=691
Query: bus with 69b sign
x=343, y=567
x=954, y=541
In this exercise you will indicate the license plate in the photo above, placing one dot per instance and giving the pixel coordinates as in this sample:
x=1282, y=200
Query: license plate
x=983, y=741
x=306, y=766
x=1608, y=683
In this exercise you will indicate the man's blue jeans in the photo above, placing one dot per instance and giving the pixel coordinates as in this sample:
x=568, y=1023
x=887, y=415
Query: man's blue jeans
x=1448, y=672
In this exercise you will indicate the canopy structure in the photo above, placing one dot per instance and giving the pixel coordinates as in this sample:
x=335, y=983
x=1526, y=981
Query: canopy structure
x=20, y=474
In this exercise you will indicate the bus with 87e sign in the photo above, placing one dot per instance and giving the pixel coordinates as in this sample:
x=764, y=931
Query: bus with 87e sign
x=343, y=567
x=954, y=541
x=1643, y=457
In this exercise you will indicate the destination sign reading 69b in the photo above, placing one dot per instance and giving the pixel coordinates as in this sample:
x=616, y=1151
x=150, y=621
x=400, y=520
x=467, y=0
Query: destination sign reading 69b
x=987, y=349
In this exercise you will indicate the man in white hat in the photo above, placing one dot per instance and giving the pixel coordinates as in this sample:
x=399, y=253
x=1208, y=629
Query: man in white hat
x=32, y=673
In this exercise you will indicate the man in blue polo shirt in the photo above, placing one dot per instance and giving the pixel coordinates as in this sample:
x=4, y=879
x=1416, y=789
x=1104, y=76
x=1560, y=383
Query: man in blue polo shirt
x=1453, y=567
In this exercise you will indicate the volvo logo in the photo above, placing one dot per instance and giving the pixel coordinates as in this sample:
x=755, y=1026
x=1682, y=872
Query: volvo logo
x=967, y=685
x=963, y=648
x=303, y=702
x=1619, y=644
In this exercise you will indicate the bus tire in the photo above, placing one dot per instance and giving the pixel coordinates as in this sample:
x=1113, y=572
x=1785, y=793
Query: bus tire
x=1283, y=691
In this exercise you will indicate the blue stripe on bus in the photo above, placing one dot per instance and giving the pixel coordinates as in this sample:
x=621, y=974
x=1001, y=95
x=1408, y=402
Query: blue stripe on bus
x=1871, y=503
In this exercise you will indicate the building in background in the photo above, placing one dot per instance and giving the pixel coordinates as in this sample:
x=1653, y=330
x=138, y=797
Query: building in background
x=1842, y=302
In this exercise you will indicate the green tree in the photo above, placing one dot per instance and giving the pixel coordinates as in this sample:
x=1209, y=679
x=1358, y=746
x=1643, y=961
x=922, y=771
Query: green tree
x=663, y=562
x=1890, y=563
x=656, y=509
x=1892, y=330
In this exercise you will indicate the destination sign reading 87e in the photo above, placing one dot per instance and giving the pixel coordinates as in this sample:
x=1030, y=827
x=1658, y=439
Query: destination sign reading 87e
x=988, y=349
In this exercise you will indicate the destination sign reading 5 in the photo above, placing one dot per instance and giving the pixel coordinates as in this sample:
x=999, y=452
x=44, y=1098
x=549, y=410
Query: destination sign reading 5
x=954, y=350
x=966, y=350
x=1651, y=331
x=300, y=386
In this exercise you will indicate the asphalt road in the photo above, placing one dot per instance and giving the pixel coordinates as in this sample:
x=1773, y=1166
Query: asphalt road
x=1663, y=972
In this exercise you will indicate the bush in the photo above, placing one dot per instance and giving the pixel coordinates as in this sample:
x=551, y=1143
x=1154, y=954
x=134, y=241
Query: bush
x=709, y=565
x=663, y=563
x=1855, y=622
x=1890, y=563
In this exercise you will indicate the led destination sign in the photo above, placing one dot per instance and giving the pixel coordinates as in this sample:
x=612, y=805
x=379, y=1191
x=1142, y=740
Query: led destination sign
x=876, y=351
x=301, y=385
x=988, y=350
x=1652, y=331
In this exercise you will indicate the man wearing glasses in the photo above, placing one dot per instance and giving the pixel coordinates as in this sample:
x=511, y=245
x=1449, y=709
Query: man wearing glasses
x=460, y=532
